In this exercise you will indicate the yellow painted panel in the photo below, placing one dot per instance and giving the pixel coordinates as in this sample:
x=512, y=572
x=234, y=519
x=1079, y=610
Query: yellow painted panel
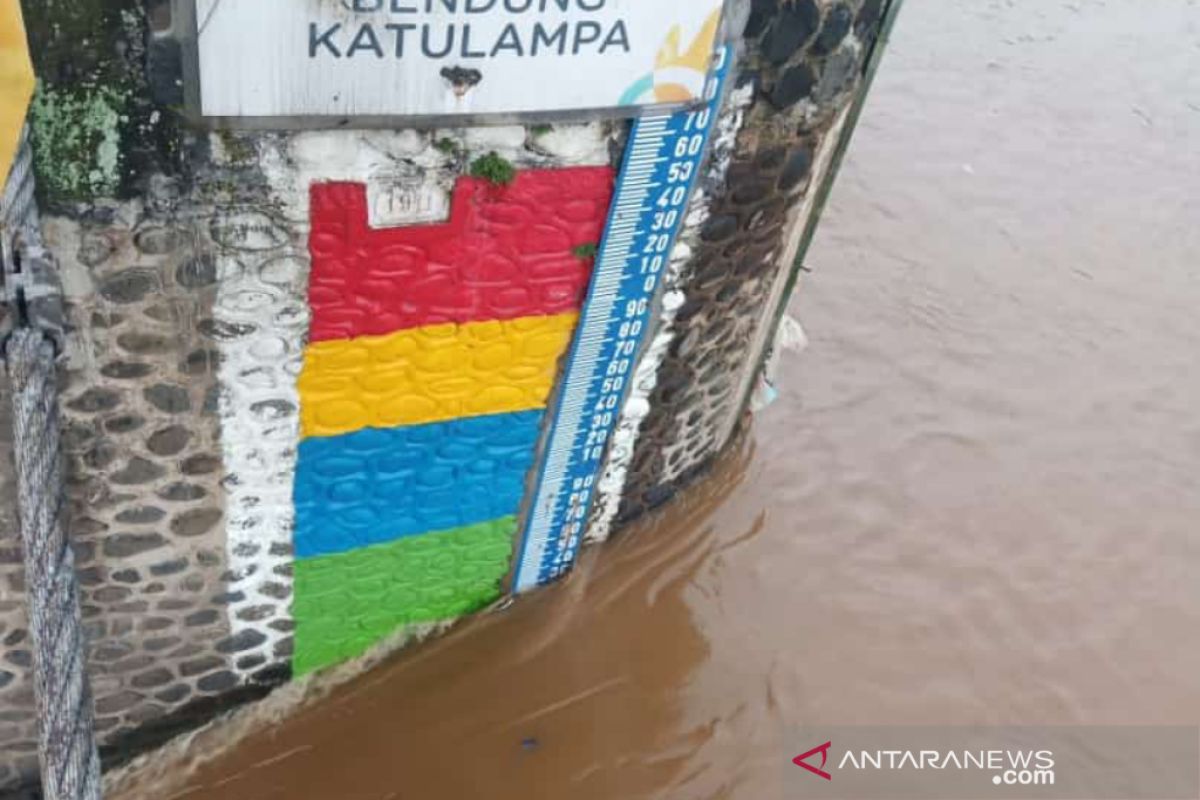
x=16, y=82
x=431, y=374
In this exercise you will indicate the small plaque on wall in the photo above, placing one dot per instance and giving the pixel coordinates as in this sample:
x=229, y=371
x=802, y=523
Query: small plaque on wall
x=444, y=58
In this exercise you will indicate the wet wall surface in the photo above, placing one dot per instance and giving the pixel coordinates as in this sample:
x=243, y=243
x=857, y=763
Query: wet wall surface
x=975, y=503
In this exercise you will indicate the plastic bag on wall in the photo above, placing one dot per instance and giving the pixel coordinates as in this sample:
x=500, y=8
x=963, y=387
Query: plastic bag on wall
x=790, y=337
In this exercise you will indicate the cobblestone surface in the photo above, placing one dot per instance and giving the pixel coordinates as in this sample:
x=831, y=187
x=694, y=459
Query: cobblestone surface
x=804, y=60
x=142, y=437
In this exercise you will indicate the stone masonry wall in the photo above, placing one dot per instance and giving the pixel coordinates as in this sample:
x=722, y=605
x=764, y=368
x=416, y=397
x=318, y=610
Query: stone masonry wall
x=207, y=351
x=800, y=66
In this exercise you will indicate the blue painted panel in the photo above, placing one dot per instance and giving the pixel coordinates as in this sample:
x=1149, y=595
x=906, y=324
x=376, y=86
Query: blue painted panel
x=374, y=486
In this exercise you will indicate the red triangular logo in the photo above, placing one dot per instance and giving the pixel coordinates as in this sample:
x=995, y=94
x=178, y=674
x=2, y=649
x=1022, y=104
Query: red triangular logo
x=799, y=760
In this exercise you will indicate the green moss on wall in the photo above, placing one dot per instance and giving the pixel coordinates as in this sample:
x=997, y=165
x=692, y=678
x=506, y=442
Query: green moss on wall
x=96, y=130
x=494, y=168
x=77, y=140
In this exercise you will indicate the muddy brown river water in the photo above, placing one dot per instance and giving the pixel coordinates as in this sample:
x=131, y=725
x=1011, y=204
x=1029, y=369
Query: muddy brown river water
x=975, y=502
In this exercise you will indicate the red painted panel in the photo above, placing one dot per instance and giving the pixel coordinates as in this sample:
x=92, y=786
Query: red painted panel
x=505, y=253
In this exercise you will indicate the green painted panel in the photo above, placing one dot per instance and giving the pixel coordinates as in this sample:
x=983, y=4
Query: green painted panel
x=345, y=603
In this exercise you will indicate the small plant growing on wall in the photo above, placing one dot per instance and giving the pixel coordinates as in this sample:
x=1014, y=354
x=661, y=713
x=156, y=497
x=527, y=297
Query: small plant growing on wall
x=585, y=251
x=494, y=169
x=447, y=146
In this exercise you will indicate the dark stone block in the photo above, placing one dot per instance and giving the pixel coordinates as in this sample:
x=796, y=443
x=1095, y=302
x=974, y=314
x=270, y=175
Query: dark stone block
x=200, y=362
x=168, y=398
x=196, y=273
x=281, y=549
x=761, y=13
x=182, y=492
x=798, y=166
x=771, y=158
x=140, y=515
x=255, y=613
x=719, y=227
x=794, y=26
x=172, y=567
x=271, y=410
x=793, y=86
x=159, y=676
x=126, y=576
x=133, y=663
x=129, y=286
x=250, y=662
x=752, y=191
x=195, y=522
x=125, y=370
x=168, y=441
x=205, y=616
x=156, y=240
x=137, y=471
x=100, y=456
x=76, y=437
x=838, y=21
x=144, y=343
x=193, y=583
x=115, y=703
x=95, y=248
x=135, y=607
x=159, y=643
x=274, y=674
x=200, y=665
x=224, y=331
x=164, y=312
x=218, y=682
x=658, y=495
x=111, y=594
x=227, y=598
x=868, y=18
x=243, y=640
x=246, y=549
x=124, y=545
x=174, y=694
x=124, y=423
x=841, y=70
x=95, y=400
x=91, y=576
x=278, y=591
x=144, y=713
x=111, y=651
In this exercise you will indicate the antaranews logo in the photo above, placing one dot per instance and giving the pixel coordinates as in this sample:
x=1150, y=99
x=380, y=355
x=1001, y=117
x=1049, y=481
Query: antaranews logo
x=1009, y=767
x=994, y=763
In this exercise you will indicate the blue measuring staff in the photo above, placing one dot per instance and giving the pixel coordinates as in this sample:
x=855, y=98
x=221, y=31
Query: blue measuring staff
x=662, y=162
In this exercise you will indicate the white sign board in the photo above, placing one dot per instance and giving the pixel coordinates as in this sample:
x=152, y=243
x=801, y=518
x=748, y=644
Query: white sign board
x=343, y=58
